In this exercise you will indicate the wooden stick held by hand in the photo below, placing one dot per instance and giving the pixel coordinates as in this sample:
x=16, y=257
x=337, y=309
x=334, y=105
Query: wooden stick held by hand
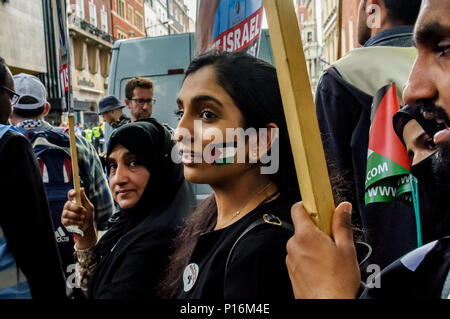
x=299, y=109
x=75, y=173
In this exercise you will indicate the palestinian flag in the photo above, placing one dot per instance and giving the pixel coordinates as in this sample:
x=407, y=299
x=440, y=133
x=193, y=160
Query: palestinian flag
x=223, y=153
x=387, y=174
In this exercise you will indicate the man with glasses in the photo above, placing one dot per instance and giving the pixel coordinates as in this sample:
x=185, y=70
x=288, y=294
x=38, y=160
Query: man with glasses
x=139, y=98
x=13, y=96
x=8, y=96
x=27, y=269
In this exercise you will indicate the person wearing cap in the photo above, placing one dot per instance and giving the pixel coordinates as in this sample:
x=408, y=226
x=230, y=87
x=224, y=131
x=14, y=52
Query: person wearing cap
x=29, y=113
x=111, y=110
x=27, y=269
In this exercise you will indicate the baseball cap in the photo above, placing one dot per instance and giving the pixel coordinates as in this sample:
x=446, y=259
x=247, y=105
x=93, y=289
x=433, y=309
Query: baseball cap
x=109, y=103
x=31, y=86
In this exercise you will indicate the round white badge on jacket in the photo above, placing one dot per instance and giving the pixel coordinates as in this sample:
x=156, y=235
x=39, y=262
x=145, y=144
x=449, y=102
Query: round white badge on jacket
x=190, y=276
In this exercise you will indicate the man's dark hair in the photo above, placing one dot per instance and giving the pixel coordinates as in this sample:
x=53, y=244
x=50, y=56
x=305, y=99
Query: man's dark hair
x=137, y=82
x=28, y=113
x=404, y=11
x=3, y=71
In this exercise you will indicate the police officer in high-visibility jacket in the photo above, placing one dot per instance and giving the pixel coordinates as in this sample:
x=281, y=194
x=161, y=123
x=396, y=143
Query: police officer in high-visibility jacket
x=97, y=135
x=88, y=134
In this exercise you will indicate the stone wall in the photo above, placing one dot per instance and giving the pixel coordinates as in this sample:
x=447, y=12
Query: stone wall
x=22, y=35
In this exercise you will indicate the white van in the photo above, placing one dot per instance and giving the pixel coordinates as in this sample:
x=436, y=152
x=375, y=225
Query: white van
x=164, y=60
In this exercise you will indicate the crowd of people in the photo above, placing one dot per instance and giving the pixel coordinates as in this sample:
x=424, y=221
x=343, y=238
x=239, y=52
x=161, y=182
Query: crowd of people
x=145, y=236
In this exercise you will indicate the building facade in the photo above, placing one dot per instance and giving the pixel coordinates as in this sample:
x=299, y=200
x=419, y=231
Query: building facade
x=330, y=30
x=350, y=25
x=163, y=17
x=177, y=14
x=22, y=34
x=128, y=18
x=330, y=27
x=306, y=14
x=91, y=40
x=156, y=21
x=302, y=15
x=30, y=24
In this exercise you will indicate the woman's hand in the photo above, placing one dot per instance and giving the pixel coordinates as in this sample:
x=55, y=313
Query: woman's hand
x=81, y=216
x=320, y=266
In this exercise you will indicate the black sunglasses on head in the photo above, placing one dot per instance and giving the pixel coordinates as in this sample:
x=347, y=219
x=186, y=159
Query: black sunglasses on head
x=13, y=96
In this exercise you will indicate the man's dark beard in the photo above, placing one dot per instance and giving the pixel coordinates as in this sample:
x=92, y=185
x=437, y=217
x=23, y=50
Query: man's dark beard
x=433, y=175
x=441, y=169
x=441, y=164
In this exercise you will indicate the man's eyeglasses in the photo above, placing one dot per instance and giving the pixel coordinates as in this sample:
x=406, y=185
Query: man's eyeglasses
x=141, y=102
x=13, y=96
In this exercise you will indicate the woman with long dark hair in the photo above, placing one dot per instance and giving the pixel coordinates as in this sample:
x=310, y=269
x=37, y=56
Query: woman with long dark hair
x=154, y=198
x=237, y=92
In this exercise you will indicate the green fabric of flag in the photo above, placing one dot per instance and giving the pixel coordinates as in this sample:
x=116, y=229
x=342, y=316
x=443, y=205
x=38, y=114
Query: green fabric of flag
x=387, y=173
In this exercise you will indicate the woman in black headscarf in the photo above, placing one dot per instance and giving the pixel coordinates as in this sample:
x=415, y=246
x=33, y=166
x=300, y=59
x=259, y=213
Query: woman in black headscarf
x=154, y=198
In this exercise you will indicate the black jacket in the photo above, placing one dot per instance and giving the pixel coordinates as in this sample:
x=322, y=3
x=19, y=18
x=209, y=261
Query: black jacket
x=25, y=218
x=257, y=267
x=421, y=274
x=343, y=112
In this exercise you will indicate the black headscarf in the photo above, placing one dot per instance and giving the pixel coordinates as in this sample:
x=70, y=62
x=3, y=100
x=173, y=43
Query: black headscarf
x=434, y=186
x=152, y=145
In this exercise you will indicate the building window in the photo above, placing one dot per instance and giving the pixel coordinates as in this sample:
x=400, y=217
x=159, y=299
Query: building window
x=121, y=34
x=120, y=8
x=130, y=14
x=104, y=20
x=80, y=9
x=302, y=17
x=92, y=14
x=310, y=39
x=139, y=22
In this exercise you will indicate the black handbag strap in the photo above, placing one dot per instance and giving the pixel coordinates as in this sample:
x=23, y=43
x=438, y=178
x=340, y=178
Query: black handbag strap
x=266, y=219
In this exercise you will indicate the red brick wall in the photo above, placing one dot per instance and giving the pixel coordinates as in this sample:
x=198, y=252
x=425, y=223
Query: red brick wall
x=99, y=5
x=350, y=12
x=124, y=24
x=305, y=18
x=299, y=10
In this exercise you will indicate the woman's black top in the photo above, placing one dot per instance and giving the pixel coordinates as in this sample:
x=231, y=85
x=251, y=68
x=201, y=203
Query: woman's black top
x=257, y=267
